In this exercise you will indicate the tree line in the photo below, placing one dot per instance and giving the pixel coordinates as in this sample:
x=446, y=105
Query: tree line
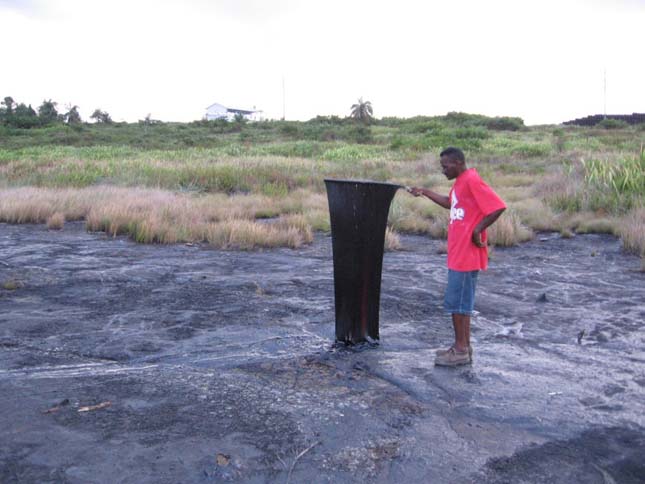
x=21, y=115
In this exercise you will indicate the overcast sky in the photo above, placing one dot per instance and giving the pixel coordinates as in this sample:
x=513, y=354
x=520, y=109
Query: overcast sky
x=541, y=60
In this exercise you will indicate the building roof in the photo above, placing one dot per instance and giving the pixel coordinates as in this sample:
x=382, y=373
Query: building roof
x=239, y=111
x=235, y=110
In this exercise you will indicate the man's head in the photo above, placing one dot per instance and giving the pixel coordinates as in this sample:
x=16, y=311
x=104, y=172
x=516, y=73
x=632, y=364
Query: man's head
x=453, y=162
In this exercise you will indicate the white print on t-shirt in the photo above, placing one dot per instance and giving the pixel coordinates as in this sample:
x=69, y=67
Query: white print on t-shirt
x=455, y=212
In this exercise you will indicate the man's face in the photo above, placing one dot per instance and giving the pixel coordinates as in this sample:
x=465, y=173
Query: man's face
x=449, y=167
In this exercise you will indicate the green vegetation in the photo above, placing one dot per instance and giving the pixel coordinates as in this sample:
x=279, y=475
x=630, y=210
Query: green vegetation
x=609, y=123
x=617, y=185
x=101, y=116
x=567, y=179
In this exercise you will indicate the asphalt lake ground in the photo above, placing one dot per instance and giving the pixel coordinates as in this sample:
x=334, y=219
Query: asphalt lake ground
x=132, y=363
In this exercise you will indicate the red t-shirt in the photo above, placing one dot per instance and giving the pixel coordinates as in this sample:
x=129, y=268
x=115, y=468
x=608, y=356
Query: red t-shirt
x=470, y=201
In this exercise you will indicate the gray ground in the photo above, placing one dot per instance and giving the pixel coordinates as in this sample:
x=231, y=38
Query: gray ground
x=219, y=366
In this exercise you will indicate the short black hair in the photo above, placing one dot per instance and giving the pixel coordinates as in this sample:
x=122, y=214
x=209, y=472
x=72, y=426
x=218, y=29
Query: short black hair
x=454, y=154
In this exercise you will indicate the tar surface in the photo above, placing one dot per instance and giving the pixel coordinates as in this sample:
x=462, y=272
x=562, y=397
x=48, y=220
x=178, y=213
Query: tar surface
x=162, y=364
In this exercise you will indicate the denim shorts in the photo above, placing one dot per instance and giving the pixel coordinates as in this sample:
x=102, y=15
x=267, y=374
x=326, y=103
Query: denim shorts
x=460, y=293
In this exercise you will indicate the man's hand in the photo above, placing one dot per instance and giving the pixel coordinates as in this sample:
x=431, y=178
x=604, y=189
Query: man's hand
x=485, y=223
x=435, y=197
x=477, y=239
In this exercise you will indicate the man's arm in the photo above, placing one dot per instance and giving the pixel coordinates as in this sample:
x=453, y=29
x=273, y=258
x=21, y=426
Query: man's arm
x=442, y=200
x=486, y=222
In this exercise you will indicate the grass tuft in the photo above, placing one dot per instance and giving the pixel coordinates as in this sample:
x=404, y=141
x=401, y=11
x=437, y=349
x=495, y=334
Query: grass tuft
x=536, y=215
x=392, y=240
x=439, y=225
x=56, y=221
x=508, y=230
x=12, y=284
x=248, y=235
x=632, y=231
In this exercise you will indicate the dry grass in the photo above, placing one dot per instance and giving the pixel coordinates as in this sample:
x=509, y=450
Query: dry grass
x=406, y=215
x=535, y=214
x=512, y=194
x=631, y=229
x=392, y=240
x=56, y=221
x=510, y=181
x=422, y=216
x=34, y=205
x=560, y=191
x=508, y=230
x=439, y=225
x=247, y=235
x=297, y=222
x=594, y=223
x=163, y=217
x=12, y=285
x=318, y=219
x=157, y=216
x=412, y=223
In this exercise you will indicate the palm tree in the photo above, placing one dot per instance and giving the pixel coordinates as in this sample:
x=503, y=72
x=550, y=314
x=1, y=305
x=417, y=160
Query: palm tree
x=101, y=116
x=9, y=102
x=362, y=111
x=72, y=116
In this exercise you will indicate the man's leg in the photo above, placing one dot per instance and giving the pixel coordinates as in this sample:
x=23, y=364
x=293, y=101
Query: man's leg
x=458, y=353
x=459, y=299
x=461, y=324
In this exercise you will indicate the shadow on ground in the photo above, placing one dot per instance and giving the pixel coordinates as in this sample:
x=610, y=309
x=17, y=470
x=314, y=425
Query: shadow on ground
x=159, y=364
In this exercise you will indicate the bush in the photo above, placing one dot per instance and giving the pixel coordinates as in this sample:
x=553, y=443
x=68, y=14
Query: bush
x=333, y=120
x=22, y=117
x=471, y=133
x=290, y=130
x=465, y=119
x=609, y=123
x=359, y=134
x=532, y=150
x=423, y=126
x=396, y=143
x=505, y=123
x=101, y=116
x=47, y=112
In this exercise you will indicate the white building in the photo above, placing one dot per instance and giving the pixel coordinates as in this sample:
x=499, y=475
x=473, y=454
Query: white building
x=218, y=111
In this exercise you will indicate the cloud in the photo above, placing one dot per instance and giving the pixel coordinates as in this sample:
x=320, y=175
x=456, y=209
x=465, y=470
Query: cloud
x=249, y=10
x=24, y=6
x=16, y=4
x=613, y=4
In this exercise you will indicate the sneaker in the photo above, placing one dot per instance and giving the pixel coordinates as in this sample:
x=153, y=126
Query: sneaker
x=443, y=352
x=453, y=357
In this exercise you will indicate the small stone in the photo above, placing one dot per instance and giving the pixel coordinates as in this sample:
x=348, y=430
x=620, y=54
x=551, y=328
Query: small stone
x=581, y=335
x=222, y=460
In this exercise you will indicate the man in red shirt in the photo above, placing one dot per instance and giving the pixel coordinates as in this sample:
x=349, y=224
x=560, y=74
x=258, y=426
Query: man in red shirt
x=474, y=206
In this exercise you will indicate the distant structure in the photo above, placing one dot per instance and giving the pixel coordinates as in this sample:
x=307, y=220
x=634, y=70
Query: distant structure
x=219, y=111
x=634, y=118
